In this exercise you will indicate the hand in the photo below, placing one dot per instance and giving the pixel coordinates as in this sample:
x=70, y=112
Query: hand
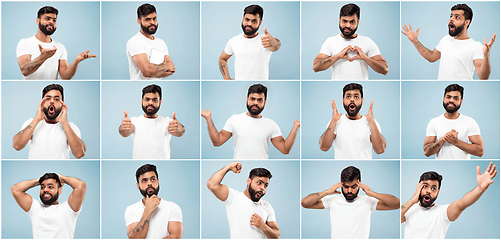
x=126, y=122
x=487, y=46
x=333, y=188
x=360, y=54
x=411, y=35
x=40, y=114
x=84, y=55
x=206, y=114
x=170, y=67
x=63, y=117
x=257, y=221
x=267, y=40
x=485, y=180
x=418, y=192
x=174, y=125
x=369, y=116
x=451, y=136
x=152, y=202
x=344, y=53
x=235, y=167
x=335, y=115
x=297, y=124
x=46, y=53
x=61, y=179
x=366, y=189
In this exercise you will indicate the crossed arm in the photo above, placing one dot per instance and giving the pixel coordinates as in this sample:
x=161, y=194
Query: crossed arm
x=150, y=70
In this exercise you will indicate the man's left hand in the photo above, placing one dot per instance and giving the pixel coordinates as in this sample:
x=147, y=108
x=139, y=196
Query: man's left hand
x=174, y=125
x=487, y=46
x=366, y=189
x=267, y=40
x=85, y=55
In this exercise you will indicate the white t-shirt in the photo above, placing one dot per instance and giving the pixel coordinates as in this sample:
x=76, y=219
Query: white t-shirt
x=49, y=69
x=426, y=223
x=464, y=125
x=251, y=136
x=251, y=58
x=154, y=49
x=456, y=58
x=240, y=209
x=151, y=138
x=159, y=221
x=353, y=138
x=53, y=221
x=49, y=140
x=343, y=69
x=350, y=220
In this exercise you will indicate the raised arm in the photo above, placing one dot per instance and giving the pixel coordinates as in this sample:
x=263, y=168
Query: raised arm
x=323, y=61
x=217, y=138
x=377, y=139
x=140, y=229
x=270, y=229
x=126, y=128
x=164, y=69
x=328, y=136
x=484, y=181
x=223, y=65
x=29, y=66
x=431, y=56
x=273, y=44
x=483, y=66
x=214, y=183
x=18, y=191
x=76, y=144
x=284, y=146
x=412, y=201
x=175, y=230
x=22, y=137
x=386, y=201
x=314, y=201
x=175, y=128
x=77, y=196
x=67, y=72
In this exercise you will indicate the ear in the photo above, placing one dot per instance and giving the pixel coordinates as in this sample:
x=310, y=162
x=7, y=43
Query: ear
x=362, y=100
x=60, y=190
x=139, y=21
x=265, y=101
x=138, y=187
x=260, y=21
x=467, y=23
x=461, y=101
x=248, y=181
x=38, y=21
x=159, y=103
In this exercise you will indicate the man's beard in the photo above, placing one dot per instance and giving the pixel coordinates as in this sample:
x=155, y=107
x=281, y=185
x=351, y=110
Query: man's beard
x=147, y=30
x=451, y=110
x=251, y=32
x=254, y=112
x=50, y=200
x=253, y=192
x=349, y=34
x=145, y=192
x=54, y=115
x=457, y=30
x=426, y=204
x=353, y=195
x=150, y=112
x=44, y=28
x=354, y=112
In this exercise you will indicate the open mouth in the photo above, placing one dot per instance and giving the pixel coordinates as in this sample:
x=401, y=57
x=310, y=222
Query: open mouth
x=46, y=195
x=451, y=27
x=427, y=198
x=259, y=194
x=52, y=109
x=352, y=107
x=451, y=105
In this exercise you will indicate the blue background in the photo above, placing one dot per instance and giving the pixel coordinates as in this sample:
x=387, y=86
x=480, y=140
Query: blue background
x=178, y=26
x=316, y=112
x=422, y=101
x=222, y=20
x=433, y=19
x=16, y=222
x=282, y=106
x=77, y=29
x=180, y=97
x=378, y=21
x=282, y=194
x=480, y=220
x=179, y=183
x=380, y=176
x=20, y=100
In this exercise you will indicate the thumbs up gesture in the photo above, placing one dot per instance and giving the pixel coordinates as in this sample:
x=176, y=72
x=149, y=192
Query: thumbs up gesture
x=269, y=42
x=126, y=123
x=175, y=128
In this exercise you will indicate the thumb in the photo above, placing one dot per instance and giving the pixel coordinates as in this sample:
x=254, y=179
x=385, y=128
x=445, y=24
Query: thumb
x=40, y=47
x=417, y=31
x=125, y=114
x=478, y=170
x=174, y=116
x=266, y=31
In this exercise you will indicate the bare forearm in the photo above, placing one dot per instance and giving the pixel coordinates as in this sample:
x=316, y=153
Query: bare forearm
x=388, y=199
x=141, y=229
x=76, y=144
x=215, y=136
x=69, y=72
x=32, y=66
x=271, y=232
x=379, y=66
x=289, y=141
x=404, y=208
x=425, y=52
x=433, y=148
x=378, y=142
x=23, y=186
x=327, y=137
x=22, y=137
x=313, y=198
x=470, y=198
x=74, y=182
x=216, y=179
x=473, y=149
x=485, y=69
x=223, y=68
x=322, y=64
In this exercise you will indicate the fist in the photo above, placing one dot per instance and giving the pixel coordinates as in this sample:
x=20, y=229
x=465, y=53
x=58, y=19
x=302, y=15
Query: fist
x=174, y=124
x=126, y=122
x=235, y=167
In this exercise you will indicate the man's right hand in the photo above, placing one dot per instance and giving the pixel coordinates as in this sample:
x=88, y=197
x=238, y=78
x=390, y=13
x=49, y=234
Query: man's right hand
x=333, y=189
x=415, y=198
x=235, y=167
x=46, y=53
x=152, y=202
x=126, y=122
x=344, y=53
x=411, y=35
x=335, y=114
x=206, y=114
x=40, y=114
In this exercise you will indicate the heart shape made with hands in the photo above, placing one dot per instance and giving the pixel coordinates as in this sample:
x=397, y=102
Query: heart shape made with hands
x=352, y=53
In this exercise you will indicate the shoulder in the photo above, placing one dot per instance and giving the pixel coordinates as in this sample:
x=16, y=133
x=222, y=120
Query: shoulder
x=136, y=39
x=169, y=204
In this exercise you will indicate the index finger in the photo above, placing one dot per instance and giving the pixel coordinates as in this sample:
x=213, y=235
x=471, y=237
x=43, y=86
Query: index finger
x=372, y=104
x=333, y=104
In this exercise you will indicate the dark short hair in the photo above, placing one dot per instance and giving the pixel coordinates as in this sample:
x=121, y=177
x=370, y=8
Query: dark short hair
x=259, y=172
x=50, y=87
x=47, y=9
x=431, y=175
x=254, y=9
x=144, y=169
x=350, y=173
x=258, y=88
x=145, y=9
x=353, y=86
x=349, y=9
x=454, y=87
x=153, y=88
x=50, y=176
x=467, y=12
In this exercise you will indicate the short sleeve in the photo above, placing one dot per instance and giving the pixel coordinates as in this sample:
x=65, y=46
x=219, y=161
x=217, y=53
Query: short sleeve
x=473, y=128
x=231, y=195
x=440, y=44
x=228, y=49
x=378, y=126
x=64, y=54
x=130, y=217
x=276, y=130
x=373, y=51
x=430, y=130
x=134, y=47
x=326, y=202
x=176, y=215
x=271, y=217
x=228, y=126
x=166, y=48
x=22, y=48
x=373, y=202
x=35, y=206
x=443, y=213
x=478, y=52
x=326, y=48
x=75, y=129
x=25, y=124
x=167, y=121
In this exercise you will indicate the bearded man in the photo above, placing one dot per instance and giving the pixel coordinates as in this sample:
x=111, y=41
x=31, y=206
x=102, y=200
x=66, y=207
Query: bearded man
x=354, y=136
x=252, y=131
x=151, y=133
x=50, y=134
x=49, y=219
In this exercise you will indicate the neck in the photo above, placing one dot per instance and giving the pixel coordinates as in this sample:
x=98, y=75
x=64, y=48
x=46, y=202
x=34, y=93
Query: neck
x=149, y=36
x=358, y=116
x=42, y=37
x=453, y=115
x=463, y=35
x=251, y=36
x=253, y=116
x=51, y=121
x=150, y=116
x=246, y=193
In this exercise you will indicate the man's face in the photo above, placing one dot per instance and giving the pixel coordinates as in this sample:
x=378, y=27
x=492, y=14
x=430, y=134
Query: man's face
x=255, y=103
x=257, y=187
x=250, y=24
x=151, y=103
x=350, y=190
x=52, y=105
x=429, y=193
x=148, y=184
x=452, y=101
x=352, y=102
x=456, y=22
x=348, y=25
x=149, y=23
x=47, y=23
x=49, y=191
